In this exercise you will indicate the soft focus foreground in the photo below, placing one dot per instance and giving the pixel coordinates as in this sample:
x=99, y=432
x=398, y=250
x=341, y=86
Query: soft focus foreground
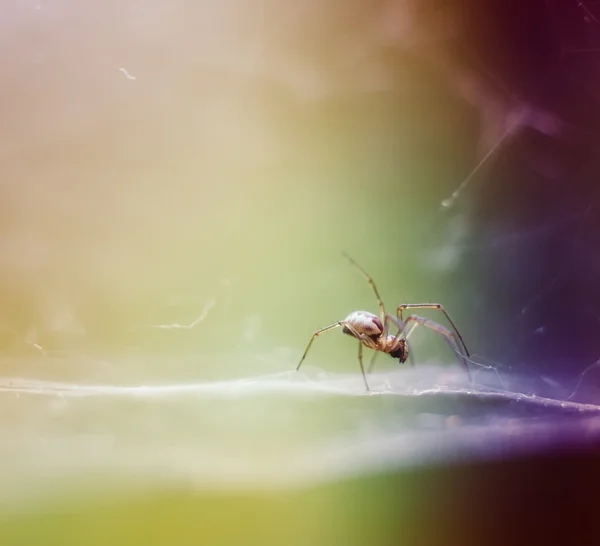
x=178, y=184
x=285, y=458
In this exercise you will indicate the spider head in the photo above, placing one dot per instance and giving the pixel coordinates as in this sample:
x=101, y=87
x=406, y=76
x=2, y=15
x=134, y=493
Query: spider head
x=400, y=351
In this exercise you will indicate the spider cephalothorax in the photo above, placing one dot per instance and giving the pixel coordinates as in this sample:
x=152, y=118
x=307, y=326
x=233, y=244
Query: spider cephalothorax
x=372, y=331
x=401, y=351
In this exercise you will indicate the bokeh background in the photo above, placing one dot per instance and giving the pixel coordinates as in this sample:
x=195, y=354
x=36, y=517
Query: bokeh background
x=204, y=164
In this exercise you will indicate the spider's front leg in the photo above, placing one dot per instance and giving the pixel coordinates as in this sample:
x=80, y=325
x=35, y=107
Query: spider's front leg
x=435, y=307
x=449, y=336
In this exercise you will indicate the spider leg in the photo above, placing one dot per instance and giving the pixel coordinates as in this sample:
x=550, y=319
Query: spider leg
x=411, y=355
x=315, y=336
x=360, y=361
x=371, y=282
x=449, y=336
x=363, y=340
x=437, y=307
x=372, y=363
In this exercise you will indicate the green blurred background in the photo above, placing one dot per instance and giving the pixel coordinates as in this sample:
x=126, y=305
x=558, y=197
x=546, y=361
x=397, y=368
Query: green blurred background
x=160, y=157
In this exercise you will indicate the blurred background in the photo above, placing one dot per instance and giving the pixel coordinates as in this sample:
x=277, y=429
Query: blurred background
x=179, y=180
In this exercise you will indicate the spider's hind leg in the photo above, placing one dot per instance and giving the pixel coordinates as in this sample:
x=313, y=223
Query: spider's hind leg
x=362, y=340
x=315, y=336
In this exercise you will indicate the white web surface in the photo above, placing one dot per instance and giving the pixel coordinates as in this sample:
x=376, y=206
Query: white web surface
x=285, y=429
x=391, y=384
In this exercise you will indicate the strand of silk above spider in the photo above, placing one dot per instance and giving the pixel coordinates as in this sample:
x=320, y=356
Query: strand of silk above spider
x=372, y=331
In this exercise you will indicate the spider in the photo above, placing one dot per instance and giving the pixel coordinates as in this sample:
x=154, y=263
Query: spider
x=372, y=331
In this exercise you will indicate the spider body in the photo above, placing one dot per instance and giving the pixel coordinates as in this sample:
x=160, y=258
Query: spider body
x=372, y=331
x=370, y=325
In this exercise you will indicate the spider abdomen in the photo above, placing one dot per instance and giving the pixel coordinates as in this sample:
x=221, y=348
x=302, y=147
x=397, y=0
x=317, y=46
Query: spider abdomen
x=365, y=323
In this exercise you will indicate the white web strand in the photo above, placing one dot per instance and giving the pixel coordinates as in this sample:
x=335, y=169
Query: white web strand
x=581, y=376
x=24, y=339
x=209, y=305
